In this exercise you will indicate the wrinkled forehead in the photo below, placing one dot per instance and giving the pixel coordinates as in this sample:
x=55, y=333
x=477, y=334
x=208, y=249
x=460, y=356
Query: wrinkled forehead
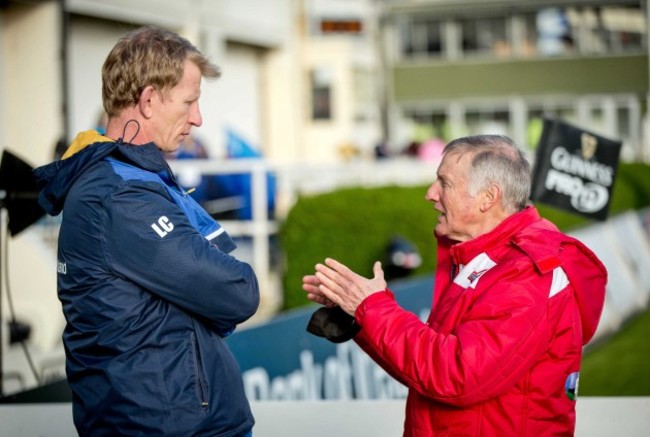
x=455, y=165
x=458, y=157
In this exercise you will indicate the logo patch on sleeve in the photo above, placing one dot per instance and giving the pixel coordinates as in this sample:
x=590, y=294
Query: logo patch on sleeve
x=571, y=386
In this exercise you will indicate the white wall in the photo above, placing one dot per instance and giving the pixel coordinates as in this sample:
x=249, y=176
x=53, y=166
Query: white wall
x=259, y=22
x=3, y=83
x=323, y=138
x=238, y=100
x=596, y=417
x=284, y=102
x=234, y=100
x=31, y=75
x=90, y=40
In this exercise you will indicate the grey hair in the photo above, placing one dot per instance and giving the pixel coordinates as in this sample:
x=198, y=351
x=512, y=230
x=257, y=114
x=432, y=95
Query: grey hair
x=496, y=160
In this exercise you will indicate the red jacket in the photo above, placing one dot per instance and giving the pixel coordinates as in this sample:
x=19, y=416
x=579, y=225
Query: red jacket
x=500, y=352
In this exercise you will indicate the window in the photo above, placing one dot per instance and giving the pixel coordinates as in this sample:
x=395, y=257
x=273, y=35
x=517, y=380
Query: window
x=535, y=116
x=590, y=30
x=422, y=37
x=321, y=90
x=488, y=121
x=624, y=28
x=364, y=96
x=549, y=31
x=485, y=37
x=554, y=32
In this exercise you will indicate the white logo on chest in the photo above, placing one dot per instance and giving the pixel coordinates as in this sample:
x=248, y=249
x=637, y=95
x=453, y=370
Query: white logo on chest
x=163, y=226
x=472, y=272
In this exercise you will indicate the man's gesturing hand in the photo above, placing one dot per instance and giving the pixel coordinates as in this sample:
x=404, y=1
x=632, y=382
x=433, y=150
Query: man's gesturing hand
x=346, y=288
x=311, y=285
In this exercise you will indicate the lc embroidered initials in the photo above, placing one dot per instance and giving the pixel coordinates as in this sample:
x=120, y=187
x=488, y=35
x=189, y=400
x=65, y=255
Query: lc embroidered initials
x=163, y=227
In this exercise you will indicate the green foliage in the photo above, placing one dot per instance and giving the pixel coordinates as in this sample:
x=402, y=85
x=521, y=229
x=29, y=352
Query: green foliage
x=619, y=367
x=354, y=226
x=632, y=187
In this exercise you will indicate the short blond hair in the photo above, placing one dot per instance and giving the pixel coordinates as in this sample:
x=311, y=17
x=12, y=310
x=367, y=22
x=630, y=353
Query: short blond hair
x=147, y=56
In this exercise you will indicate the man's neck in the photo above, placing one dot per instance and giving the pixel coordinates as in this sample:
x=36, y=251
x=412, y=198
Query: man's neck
x=129, y=127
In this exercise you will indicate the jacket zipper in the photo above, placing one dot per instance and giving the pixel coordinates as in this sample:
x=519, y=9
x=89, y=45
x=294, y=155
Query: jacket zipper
x=170, y=175
x=199, y=373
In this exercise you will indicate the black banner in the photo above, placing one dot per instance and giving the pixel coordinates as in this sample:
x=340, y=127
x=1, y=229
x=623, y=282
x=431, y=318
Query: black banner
x=575, y=169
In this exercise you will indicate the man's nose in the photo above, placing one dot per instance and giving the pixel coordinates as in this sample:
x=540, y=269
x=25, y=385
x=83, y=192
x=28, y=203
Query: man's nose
x=195, y=117
x=432, y=192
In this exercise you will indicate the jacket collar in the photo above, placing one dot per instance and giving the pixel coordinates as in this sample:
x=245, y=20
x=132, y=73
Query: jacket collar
x=88, y=148
x=146, y=156
x=464, y=252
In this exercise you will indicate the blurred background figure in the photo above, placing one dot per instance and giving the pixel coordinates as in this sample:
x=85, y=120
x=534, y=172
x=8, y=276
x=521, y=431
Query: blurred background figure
x=402, y=258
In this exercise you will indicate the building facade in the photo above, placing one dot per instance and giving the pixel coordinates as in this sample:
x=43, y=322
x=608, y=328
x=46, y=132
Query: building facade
x=470, y=66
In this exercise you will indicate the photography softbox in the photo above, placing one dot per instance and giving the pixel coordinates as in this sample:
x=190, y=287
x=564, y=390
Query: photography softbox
x=18, y=193
x=575, y=169
x=19, y=197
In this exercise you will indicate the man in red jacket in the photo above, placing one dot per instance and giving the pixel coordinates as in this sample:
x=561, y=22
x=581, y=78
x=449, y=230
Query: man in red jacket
x=515, y=300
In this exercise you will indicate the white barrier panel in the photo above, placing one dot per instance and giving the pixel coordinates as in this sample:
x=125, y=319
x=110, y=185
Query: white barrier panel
x=617, y=305
x=622, y=245
x=627, y=232
x=597, y=417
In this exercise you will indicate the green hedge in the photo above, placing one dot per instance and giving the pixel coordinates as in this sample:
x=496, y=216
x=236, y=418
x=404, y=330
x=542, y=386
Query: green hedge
x=619, y=366
x=355, y=225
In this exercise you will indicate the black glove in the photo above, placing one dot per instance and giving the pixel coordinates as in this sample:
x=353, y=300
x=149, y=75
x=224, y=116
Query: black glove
x=334, y=324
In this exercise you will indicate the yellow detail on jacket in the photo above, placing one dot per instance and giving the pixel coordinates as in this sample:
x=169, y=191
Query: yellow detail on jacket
x=82, y=140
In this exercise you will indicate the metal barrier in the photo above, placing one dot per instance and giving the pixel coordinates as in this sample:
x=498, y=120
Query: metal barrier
x=259, y=227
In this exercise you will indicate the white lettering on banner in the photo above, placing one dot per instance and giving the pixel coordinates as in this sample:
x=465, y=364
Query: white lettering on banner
x=585, y=197
x=596, y=172
x=163, y=227
x=349, y=374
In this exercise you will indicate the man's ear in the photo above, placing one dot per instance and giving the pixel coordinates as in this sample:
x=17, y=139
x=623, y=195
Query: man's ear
x=491, y=196
x=144, y=104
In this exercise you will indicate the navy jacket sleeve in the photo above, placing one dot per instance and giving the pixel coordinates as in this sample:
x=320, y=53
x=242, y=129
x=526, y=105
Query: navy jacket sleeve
x=148, y=239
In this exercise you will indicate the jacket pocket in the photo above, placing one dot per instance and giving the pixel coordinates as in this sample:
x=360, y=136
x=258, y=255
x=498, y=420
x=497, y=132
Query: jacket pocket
x=201, y=387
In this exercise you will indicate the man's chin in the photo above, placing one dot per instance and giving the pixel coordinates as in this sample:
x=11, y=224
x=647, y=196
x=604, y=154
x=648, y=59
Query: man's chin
x=170, y=148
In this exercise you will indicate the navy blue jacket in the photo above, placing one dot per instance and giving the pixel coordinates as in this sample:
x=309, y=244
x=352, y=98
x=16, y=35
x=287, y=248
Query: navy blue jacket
x=149, y=292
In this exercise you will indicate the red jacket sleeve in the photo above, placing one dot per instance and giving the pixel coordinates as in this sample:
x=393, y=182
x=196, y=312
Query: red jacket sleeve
x=497, y=338
x=365, y=342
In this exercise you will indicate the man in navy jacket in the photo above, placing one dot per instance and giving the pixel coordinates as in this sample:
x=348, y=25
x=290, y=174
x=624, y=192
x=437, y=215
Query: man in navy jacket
x=148, y=288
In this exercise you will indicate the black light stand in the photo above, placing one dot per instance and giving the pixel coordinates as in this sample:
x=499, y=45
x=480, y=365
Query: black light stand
x=18, y=197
